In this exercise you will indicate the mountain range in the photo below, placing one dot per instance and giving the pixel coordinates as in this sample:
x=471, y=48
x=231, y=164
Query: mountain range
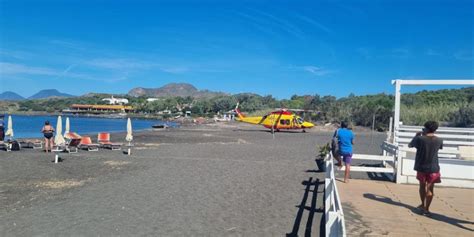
x=173, y=89
x=43, y=94
x=9, y=95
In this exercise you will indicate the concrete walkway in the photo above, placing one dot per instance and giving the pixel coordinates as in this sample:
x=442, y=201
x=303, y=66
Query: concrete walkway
x=374, y=208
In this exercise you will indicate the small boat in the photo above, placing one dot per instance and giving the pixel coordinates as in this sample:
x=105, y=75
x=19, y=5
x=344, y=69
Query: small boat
x=159, y=126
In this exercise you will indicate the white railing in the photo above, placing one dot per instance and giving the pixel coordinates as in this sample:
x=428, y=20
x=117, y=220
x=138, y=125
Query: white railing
x=388, y=160
x=335, y=224
x=455, y=159
x=453, y=138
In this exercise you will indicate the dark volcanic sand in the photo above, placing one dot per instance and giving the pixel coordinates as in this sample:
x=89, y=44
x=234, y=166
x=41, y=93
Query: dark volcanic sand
x=209, y=180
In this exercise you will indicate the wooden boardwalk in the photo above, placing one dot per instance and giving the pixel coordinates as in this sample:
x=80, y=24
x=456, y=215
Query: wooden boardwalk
x=375, y=208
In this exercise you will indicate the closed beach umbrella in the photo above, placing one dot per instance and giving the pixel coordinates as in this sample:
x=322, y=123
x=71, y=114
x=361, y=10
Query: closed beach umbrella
x=59, y=139
x=66, y=129
x=9, y=131
x=129, y=136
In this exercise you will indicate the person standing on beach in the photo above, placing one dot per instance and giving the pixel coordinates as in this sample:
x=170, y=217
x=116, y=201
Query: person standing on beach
x=345, y=139
x=426, y=163
x=2, y=130
x=48, y=132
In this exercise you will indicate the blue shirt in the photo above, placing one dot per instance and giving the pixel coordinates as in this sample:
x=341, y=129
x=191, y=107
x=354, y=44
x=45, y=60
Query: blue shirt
x=345, y=137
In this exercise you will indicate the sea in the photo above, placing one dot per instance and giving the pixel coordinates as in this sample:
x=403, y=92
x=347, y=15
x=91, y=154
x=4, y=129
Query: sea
x=29, y=126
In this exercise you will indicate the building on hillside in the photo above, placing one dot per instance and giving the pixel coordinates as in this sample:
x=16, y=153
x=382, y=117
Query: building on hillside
x=116, y=101
x=97, y=109
x=166, y=111
x=152, y=99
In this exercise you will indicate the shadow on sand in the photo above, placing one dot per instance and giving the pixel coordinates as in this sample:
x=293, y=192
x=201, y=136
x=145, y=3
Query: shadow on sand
x=311, y=209
x=434, y=216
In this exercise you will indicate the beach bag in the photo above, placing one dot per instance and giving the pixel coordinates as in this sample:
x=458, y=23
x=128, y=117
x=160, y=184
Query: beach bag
x=15, y=146
x=334, y=144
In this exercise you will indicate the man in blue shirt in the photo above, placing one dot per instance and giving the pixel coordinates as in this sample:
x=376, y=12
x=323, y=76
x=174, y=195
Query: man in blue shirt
x=345, y=139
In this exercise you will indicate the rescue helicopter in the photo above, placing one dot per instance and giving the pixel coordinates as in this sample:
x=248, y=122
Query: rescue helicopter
x=276, y=120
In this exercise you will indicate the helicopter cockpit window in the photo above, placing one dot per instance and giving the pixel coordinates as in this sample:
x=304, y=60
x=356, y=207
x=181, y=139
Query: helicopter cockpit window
x=300, y=120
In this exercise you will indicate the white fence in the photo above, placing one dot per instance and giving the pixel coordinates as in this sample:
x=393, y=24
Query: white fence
x=335, y=224
x=388, y=161
x=453, y=138
x=455, y=159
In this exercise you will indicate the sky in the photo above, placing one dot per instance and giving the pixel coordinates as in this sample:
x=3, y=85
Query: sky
x=278, y=48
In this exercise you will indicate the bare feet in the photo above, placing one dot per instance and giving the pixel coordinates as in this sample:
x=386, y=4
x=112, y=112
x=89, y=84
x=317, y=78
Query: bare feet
x=423, y=211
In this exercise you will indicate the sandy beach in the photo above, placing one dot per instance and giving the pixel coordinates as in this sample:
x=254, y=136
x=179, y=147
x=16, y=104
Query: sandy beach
x=226, y=179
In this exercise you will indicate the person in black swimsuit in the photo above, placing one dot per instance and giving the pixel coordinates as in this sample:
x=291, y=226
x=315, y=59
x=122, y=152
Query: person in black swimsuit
x=48, y=132
x=2, y=129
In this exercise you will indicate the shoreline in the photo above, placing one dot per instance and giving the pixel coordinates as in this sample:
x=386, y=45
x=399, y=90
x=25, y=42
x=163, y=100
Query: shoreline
x=111, y=115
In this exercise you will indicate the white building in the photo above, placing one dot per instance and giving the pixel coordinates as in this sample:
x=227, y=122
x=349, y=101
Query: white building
x=116, y=101
x=152, y=99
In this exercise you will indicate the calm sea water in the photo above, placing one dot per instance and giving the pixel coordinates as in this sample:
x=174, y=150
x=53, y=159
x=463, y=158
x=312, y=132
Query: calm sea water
x=30, y=126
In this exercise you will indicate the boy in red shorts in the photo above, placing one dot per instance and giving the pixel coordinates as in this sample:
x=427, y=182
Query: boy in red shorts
x=426, y=163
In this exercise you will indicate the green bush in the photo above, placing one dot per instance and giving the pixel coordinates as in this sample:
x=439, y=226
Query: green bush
x=464, y=117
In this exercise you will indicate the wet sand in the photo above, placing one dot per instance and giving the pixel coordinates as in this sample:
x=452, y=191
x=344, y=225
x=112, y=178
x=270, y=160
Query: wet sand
x=226, y=179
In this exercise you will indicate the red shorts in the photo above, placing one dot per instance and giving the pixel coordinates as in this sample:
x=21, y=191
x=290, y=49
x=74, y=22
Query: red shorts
x=428, y=177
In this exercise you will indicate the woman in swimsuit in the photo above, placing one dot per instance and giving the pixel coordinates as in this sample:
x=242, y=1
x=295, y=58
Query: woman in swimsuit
x=48, y=132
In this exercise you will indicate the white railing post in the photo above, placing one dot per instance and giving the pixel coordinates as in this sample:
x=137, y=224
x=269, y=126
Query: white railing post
x=396, y=118
x=334, y=215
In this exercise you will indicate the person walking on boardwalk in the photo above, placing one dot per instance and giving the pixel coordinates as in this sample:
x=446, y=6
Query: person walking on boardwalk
x=48, y=132
x=426, y=163
x=345, y=139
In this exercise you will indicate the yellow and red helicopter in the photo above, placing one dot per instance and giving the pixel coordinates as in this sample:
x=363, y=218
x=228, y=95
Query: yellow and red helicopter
x=276, y=120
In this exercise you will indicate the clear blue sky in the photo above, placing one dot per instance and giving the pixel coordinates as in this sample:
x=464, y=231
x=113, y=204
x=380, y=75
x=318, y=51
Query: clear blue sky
x=266, y=47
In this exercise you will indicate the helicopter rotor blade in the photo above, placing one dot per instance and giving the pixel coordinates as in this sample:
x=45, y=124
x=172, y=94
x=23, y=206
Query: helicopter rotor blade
x=279, y=117
x=263, y=119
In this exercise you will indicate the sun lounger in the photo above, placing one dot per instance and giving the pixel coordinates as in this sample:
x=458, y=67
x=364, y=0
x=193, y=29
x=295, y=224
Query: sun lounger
x=86, y=143
x=103, y=139
x=72, y=145
x=13, y=145
x=3, y=146
x=72, y=142
x=72, y=135
x=31, y=143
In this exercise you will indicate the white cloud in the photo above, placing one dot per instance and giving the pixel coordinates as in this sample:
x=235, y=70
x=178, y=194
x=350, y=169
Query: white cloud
x=20, y=69
x=175, y=70
x=318, y=71
x=314, y=23
x=15, y=54
x=125, y=64
x=67, y=44
x=13, y=68
x=119, y=63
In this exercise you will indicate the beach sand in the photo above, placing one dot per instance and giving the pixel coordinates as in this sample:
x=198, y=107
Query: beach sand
x=227, y=179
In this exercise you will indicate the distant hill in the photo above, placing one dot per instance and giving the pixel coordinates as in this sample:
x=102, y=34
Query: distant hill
x=9, y=95
x=173, y=89
x=48, y=94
